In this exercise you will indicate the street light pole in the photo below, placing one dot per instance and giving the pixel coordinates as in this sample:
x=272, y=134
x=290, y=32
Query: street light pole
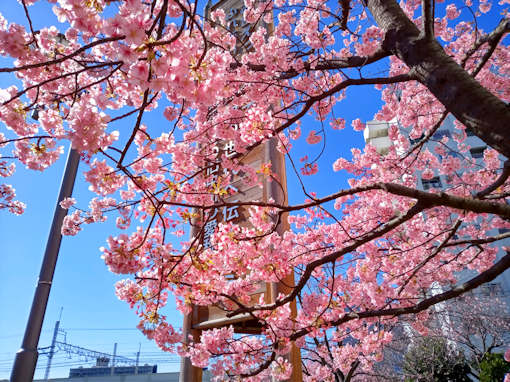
x=26, y=358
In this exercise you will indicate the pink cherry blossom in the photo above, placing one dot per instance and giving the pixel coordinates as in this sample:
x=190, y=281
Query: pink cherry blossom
x=67, y=203
x=183, y=125
x=312, y=138
x=358, y=125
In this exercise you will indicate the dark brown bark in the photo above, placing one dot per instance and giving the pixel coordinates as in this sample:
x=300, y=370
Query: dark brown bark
x=472, y=104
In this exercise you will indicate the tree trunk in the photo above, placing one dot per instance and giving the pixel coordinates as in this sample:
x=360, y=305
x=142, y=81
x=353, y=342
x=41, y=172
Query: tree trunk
x=472, y=104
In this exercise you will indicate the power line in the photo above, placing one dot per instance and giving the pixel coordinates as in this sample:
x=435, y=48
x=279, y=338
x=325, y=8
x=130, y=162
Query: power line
x=21, y=334
x=59, y=349
x=100, y=329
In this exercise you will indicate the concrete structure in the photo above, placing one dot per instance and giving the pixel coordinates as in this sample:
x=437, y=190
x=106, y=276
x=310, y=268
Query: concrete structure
x=376, y=134
x=105, y=370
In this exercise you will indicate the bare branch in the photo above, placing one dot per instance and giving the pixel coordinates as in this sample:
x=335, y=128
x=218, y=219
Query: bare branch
x=63, y=58
x=331, y=64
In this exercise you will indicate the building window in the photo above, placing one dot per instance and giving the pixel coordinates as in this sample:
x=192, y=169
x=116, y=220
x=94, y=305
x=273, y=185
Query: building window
x=435, y=182
x=416, y=140
x=380, y=133
x=477, y=152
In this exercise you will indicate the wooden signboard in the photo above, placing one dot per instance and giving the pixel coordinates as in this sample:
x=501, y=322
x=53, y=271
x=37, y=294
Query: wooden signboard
x=202, y=318
x=241, y=191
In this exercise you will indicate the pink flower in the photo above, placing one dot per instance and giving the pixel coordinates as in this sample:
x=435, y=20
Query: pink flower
x=71, y=224
x=309, y=169
x=312, y=138
x=170, y=113
x=427, y=174
x=484, y=6
x=7, y=195
x=357, y=125
x=340, y=164
x=452, y=12
x=338, y=124
x=507, y=356
x=67, y=203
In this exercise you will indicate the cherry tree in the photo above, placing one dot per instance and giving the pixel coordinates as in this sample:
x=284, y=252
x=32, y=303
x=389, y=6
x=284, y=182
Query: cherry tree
x=362, y=256
x=473, y=329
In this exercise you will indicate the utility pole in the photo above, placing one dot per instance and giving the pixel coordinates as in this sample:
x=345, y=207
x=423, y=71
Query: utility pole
x=52, y=347
x=26, y=358
x=138, y=357
x=112, y=371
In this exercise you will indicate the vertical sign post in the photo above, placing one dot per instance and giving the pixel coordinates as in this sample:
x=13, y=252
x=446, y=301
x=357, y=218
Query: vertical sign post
x=202, y=318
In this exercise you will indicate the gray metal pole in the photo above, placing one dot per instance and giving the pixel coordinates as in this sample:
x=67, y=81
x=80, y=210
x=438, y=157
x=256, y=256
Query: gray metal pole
x=112, y=370
x=26, y=358
x=52, y=352
x=138, y=357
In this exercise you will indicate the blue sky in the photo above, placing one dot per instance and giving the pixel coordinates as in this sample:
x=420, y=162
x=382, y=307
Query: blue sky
x=82, y=284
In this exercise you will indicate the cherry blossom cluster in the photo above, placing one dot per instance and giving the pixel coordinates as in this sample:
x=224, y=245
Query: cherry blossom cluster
x=353, y=260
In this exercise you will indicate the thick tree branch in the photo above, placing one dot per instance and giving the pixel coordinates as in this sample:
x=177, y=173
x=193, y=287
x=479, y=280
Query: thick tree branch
x=488, y=240
x=330, y=64
x=498, y=182
x=472, y=104
x=426, y=199
x=427, y=7
x=346, y=7
x=484, y=277
x=431, y=199
x=493, y=41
